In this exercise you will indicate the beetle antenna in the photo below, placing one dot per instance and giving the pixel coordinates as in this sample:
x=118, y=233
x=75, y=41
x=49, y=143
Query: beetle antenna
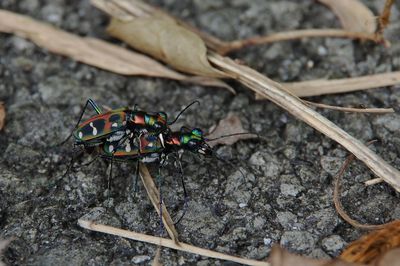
x=183, y=110
x=231, y=135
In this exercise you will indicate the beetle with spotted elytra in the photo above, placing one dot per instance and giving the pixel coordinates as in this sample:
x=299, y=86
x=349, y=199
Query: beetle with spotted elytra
x=131, y=135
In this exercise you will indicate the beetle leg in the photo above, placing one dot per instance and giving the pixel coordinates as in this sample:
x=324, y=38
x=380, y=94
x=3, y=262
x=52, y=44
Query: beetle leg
x=94, y=106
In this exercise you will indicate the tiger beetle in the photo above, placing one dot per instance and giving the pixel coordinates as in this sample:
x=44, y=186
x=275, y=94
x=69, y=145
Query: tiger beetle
x=131, y=135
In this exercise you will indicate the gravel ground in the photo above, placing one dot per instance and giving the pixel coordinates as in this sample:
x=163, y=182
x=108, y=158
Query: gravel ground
x=285, y=196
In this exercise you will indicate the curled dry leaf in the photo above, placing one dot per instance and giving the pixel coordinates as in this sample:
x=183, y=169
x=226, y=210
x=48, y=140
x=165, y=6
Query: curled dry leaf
x=229, y=125
x=353, y=15
x=92, y=51
x=372, y=246
x=165, y=40
x=2, y=115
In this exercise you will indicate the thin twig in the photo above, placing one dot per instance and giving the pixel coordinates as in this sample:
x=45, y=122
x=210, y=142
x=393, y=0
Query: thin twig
x=350, y=109
x=333, y=86
x=384, y=18
x=373, y=181
x=154, y=196
x=156, y=260
x=294, y=35
x=338, y=204
x=165, y=243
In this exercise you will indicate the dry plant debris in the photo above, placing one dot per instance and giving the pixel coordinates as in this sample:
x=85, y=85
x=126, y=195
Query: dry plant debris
x=166, y=51
x=156, y=260
x=274, y=91
x=167, y=41
x=351, y=109
x=374, y=245
x=227, y=126
x=334, y=86
x=122, y=61
x=2, y=115
x=154, y=196
x=91, y=225
x=93, y=51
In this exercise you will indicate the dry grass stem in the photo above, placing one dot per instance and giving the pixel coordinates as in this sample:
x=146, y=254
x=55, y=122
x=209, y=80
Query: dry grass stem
x=294, y=35
x=157, y=257
x=350, y=109
x=384, y=18
x=2, y=115
x=374, y=181
x=280, y=96
x=154, y=196
x=333, y=86
x=166, y=243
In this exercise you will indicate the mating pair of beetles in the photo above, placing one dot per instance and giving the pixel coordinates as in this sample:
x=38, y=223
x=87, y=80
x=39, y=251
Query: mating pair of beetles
x=127, y=134
x=131, y=135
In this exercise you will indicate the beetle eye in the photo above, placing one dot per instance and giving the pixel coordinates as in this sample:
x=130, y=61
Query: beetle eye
x=197, y=132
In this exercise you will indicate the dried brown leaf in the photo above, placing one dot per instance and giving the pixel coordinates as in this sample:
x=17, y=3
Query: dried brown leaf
x=353, y=15
x=167, y=41
x=373, y=245
x=229, y=125
x=2, y=115
x=92, y=51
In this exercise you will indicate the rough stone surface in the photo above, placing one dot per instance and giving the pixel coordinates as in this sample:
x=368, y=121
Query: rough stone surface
x=333, y=245
x=298, y=241
x=283, y=191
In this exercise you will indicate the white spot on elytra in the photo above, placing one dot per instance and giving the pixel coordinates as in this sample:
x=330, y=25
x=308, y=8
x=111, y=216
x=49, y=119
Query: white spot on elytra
x=150, y=144
x=114, y=125
x=111, y=148
x=128, y=147
x=80, y=134
x=94, y=129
